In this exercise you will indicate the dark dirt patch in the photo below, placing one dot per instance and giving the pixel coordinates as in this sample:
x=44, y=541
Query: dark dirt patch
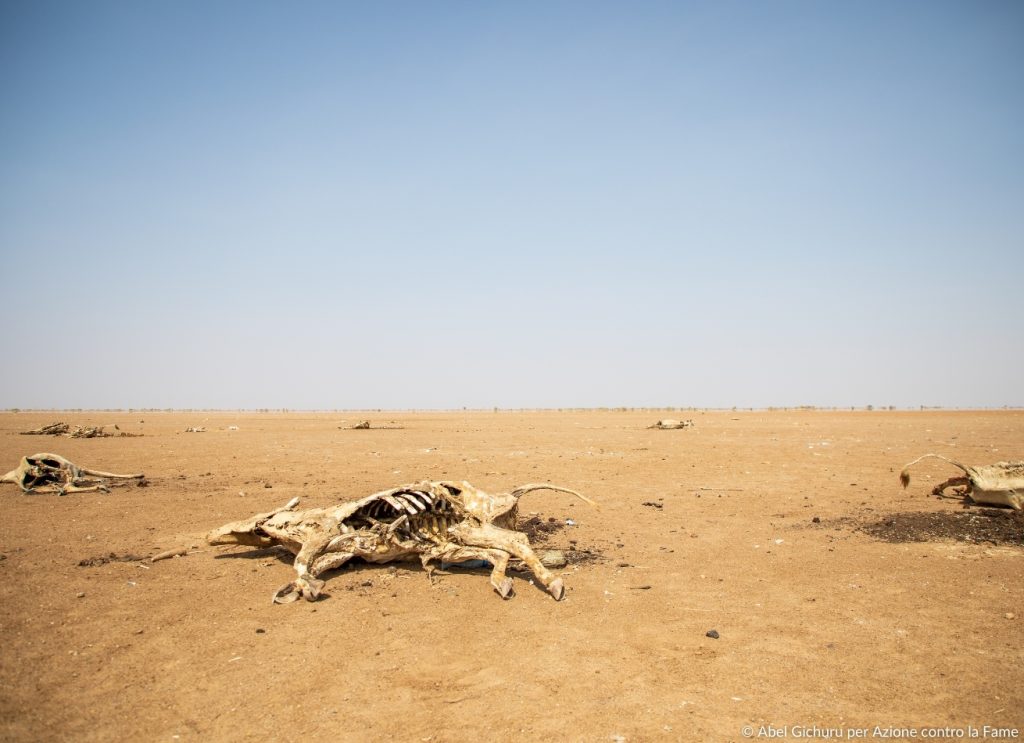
x=538, y=530
x=92, y=562
x=972, y=525
x=580, y=556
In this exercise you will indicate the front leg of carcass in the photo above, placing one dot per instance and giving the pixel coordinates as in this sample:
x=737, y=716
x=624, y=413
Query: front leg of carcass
x=305, y=584
x=516, y=544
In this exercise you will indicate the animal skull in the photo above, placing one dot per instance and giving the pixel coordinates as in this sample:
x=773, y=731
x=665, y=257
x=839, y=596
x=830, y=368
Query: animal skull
x=999, y=484
x=52, y=473
x=431, y=521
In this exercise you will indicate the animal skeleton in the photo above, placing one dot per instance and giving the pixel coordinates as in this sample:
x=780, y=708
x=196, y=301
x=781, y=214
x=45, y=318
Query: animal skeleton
x=434, y=521
x=52, y=473
x=999, y=484
x=668, y=424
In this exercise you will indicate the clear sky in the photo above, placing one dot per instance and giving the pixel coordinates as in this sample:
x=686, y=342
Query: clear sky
x=514, y=204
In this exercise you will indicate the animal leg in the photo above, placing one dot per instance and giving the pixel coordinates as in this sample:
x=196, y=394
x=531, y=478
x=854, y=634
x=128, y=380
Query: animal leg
x=330, y=561
x=72, y=488
x=514, y=543
x=305, y=584
x=108, y=475
x=952, y=482
x=425, y=559
x=499, y=564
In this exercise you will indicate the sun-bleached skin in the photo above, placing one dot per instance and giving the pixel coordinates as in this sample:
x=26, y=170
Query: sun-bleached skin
x=51, y=473
x=429, y=521
x=999, y=484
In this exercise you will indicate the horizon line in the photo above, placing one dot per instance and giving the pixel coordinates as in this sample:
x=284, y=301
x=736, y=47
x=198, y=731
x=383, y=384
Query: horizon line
x=499, y=409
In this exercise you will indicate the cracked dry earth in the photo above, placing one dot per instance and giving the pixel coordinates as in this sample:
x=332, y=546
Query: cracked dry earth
x=819, y=622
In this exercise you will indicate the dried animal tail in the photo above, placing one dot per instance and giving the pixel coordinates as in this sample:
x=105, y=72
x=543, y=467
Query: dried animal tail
x=524, y=489
x=905, y=473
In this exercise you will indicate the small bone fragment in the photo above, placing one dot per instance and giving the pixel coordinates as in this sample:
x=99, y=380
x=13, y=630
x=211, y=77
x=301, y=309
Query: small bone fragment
x=167, y=554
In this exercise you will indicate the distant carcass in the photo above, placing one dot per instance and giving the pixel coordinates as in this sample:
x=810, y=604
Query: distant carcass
x=668, y=424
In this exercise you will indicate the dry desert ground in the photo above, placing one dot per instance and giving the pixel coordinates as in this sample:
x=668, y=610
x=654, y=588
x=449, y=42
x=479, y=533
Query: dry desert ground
x=840, y=600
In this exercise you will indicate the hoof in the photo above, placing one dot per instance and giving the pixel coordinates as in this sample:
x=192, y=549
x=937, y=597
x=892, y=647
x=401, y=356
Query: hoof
x=505, y=589
x=286, y=594
x=557, y=589
x=311, y=589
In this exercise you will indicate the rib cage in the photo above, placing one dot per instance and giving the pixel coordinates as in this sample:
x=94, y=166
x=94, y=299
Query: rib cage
x=416, y=515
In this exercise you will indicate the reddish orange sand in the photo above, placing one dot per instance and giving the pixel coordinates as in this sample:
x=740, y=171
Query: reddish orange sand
x=819, y=623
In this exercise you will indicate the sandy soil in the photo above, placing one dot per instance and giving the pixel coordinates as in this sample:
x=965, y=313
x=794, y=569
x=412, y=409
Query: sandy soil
x=820, y=623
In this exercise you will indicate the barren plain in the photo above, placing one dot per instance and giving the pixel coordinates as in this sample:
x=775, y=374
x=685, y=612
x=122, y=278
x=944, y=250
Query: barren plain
x=840, y=600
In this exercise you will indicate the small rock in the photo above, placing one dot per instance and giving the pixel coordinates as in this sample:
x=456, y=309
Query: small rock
x=260, y=631
x=139, y=631
x=712, y=633
x=1010, y=615
x=816, y=520
x=267, y=485
x=553, y=559
x=80, y=595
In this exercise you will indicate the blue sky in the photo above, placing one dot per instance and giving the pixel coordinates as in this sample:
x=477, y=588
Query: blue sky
x=417, y=205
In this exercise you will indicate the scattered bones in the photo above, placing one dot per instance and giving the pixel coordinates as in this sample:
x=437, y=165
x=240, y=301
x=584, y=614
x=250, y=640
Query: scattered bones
x=668, y=424
x=999, y=484
x=431, y=521
x=52, y=473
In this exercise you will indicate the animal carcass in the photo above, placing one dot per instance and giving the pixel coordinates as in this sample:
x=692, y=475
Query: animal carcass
x=429, y=521
x=52, y=473
x=668, y=424
x=999, y=484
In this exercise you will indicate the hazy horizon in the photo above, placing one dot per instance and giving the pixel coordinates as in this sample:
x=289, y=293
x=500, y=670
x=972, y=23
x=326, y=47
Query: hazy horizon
x=407, y=206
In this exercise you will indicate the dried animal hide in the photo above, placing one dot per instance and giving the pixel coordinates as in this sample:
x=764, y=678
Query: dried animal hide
x=429, y=521
x=52, y=473
x=999, y=484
